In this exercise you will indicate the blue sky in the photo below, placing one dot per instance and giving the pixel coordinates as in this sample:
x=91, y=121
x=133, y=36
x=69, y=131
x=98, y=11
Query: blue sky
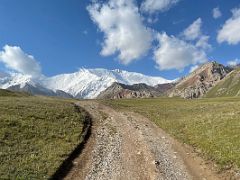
x=64, y=35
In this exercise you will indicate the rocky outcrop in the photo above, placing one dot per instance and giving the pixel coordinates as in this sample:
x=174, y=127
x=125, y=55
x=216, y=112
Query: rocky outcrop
x=122, y=91
x=227, y=87
x=200, y=81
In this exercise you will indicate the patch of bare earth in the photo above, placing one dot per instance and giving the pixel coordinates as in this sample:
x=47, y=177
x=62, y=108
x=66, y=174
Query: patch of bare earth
x=125, y=145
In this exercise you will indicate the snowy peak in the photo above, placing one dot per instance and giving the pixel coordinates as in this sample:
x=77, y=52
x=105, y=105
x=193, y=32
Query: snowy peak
x=131, y=78
x=86, y=83
x=15, y=79
x=89, y=83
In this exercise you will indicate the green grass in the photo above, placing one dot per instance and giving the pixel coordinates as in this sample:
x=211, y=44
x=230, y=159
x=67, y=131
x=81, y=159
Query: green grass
x=211, y=126
x=36, y=135
x=4, y=92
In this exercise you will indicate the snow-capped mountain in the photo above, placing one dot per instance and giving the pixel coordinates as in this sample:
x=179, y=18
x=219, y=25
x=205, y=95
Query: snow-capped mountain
x=86, y=83
x=15, y=79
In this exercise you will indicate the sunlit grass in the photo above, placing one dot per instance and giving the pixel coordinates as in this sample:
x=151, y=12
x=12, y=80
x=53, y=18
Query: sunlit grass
x=36, y=135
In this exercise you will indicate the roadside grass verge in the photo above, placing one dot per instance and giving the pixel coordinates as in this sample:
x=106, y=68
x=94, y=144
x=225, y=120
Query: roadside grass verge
x=211, y=126
x=36, y=135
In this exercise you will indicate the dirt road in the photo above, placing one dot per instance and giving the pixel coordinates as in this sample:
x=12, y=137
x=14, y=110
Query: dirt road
x=128, y=146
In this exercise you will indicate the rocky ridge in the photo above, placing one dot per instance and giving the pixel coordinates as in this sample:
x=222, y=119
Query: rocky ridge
x=200, y=81
x=228, y=86
x=122, y=91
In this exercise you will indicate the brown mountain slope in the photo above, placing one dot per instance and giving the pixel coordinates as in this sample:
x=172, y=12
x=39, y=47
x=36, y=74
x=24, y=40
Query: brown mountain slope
x=199, y=81
x=122, y=91
x=227, y=87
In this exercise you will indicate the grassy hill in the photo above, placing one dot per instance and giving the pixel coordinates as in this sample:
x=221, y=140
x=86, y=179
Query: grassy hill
x=228, y=87
x=36, y=134
x=212, y=126
x=4, y=92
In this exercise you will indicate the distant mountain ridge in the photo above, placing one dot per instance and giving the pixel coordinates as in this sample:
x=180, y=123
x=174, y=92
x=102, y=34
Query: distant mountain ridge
x=209, y=80
x=84, y=84
x=122, y=91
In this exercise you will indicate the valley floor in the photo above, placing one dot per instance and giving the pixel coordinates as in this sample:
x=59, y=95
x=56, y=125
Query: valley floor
x=126, y=145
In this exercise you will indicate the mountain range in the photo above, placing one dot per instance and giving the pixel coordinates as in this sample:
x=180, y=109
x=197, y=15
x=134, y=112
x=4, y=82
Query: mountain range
x=84, y=84
x=208, y=80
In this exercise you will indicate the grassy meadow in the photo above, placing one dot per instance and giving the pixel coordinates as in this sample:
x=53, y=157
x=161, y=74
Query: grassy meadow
x=211, y=126
x=36, y=134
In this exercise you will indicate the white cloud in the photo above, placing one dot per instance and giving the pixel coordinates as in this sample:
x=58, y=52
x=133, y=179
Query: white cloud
x=203, y=42
x=152, y=6
x=194, y=33
x=152, y=20
x=15, y=59
x=173, y=53
x=230, y=32
x=194, y=30
x=233, y=62
x=124, y=31
x=216, y=13
x=193, y=68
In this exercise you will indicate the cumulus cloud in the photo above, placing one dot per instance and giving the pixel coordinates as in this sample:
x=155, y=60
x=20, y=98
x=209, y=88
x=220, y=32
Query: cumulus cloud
x=15, y=59
x=178, y=53
x=193, y=68
x=234, y=62
x=124, y=31
x=230, y=32
x=152, y=6
x=203, y=42
x=194, y=33
x=194, y=30
x=216, y=13
x=174, y=53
